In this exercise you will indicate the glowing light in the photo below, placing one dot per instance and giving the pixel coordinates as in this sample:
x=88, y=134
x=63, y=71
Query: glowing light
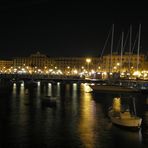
x=92, y=71
x=137, y=73
x=14, y=84
x=115, y=67
x=104, y=73
x=22, y=84
x=88, y=60
x=38, y=83
x=49, y=84
x=145, y=75
x=75, y=71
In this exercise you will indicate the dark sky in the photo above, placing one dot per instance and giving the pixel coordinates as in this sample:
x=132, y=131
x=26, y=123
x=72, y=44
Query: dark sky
x=66, y=28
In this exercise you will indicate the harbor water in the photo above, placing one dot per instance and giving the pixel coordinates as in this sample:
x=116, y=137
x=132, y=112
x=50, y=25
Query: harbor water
x=78, y=119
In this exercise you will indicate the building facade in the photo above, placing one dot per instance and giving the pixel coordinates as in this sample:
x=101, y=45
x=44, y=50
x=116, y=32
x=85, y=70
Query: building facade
x=69, y=65
x=5, y=65
x=128, y=62
x=35, y=60
x=74, y=63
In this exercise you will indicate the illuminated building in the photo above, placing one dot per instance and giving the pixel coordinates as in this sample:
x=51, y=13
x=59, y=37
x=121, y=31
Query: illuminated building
x=35, y=60
x=145, y=65
x=71, y=63
x=40, y=63
x=5, y=64
x=127, y=62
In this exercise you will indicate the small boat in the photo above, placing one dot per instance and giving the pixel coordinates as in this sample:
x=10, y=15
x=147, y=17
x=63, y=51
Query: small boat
x=123, y=118
x=87, y=88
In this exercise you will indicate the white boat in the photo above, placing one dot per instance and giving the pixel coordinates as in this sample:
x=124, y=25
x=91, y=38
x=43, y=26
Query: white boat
x=87, y=88
x=123, y=118
x=113, y=88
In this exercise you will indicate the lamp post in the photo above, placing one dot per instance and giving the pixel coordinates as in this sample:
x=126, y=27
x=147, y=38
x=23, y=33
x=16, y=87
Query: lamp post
x=88, y=60
x=118, y=67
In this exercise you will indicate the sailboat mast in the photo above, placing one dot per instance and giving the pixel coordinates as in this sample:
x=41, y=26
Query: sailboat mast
x=121, y=51
x=138, y=47
x=130, y=47
x=112, y=40
x=134, y=107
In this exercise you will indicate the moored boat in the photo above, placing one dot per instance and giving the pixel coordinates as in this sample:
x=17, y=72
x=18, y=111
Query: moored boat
x=87, y=88
x=123, y=118
x=113, y=88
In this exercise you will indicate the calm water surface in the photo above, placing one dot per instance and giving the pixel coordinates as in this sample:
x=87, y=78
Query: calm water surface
x=78, y=120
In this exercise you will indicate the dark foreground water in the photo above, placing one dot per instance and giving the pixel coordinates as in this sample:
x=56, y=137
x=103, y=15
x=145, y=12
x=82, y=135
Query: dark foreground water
x=77, y=120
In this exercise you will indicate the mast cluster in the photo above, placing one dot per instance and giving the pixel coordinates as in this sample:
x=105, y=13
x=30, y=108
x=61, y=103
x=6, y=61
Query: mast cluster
x=123, y=42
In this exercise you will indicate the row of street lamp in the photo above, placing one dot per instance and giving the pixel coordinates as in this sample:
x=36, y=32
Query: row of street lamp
x=70, y=71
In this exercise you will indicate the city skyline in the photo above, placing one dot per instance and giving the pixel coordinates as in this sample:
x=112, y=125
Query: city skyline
x=66, y=29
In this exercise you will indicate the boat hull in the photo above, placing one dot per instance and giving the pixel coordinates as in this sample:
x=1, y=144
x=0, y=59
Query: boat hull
x=132, y=122
x=110, y=88
x=127, y=123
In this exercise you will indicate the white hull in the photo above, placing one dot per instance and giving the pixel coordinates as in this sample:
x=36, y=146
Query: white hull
x=131, y=122
x=112, y=88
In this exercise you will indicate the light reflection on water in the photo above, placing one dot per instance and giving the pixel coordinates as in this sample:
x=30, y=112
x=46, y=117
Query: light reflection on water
x=14, y=90
x=87, y=121
x=58, y=89
x=79, y=119
x=49, y=89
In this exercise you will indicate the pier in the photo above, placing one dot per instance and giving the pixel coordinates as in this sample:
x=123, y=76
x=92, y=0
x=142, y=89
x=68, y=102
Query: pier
x=48, y=78
x=71, y=79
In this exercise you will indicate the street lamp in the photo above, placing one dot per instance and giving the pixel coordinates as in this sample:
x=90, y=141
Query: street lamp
x=88, y=60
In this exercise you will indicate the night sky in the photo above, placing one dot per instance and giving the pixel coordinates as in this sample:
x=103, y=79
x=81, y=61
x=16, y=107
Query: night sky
x=66, y=28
